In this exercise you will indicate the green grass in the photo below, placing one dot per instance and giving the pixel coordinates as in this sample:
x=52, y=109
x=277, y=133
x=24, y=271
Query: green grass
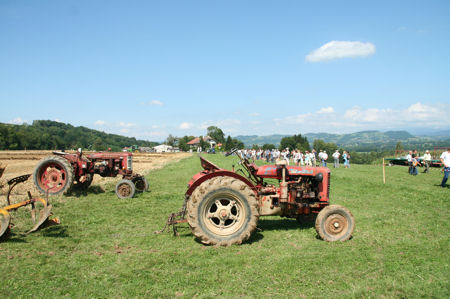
x=105, y=247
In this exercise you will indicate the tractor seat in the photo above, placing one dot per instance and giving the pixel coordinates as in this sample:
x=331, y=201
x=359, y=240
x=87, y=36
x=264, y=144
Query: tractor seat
x=281, y=163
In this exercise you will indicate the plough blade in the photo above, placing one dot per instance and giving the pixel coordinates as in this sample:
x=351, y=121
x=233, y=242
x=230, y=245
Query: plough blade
x=44, y=214
x=5, y=219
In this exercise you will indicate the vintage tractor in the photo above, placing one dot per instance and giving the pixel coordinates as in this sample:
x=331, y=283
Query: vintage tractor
x=59, y=173
x=40, y=208
x=222, y=207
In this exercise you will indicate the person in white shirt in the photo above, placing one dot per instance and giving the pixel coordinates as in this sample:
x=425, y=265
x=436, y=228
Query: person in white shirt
x=324, y=158
x=336, y=156
x=308, y=159
x=445, y=159
x=427, y=161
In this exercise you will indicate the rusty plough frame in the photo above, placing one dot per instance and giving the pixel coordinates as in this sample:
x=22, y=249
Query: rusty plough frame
x=44, y=211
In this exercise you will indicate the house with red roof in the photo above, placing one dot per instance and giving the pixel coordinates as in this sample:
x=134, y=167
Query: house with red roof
x=195, y=143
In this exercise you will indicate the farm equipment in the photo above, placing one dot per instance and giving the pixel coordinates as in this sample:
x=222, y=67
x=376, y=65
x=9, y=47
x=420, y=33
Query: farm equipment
x=223, y=207
x=62, y=172
x=39, y=208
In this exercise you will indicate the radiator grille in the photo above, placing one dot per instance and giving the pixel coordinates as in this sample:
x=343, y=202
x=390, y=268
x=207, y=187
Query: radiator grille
x=329, y=179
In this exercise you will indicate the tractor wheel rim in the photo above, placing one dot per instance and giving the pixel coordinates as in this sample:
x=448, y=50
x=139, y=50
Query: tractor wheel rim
x=336, y=225
x=53, y=177
x=224, y=214
x=124, y=190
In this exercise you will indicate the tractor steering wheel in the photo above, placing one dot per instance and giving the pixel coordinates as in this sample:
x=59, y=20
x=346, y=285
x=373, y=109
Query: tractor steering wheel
x=231, y=152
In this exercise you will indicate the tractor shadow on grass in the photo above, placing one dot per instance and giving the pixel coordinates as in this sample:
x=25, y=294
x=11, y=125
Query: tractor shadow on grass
x=277, y=224
x=85, y=192
x=284, y=224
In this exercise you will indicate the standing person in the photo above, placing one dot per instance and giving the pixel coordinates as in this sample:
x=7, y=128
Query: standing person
x=312, y=155
x=324, y=158
x=336, y=156
x=345, y=158
x=348, y=160
x=445, y=159
x=409, y=159
x=427, y=161
x=415, y=163
x=319, y=156
x=308, y=159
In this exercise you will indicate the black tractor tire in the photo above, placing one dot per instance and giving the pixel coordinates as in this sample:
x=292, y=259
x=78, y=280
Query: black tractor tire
x=55, y=174
x=83, y=185
x=140, y=183
x=223, y=211
x=335, y=223
x=125, y=189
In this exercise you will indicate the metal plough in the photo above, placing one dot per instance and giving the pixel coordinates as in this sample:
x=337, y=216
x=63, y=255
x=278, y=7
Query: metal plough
x=40, y=208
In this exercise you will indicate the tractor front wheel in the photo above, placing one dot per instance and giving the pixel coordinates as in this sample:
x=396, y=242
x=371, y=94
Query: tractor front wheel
x=125, y=189
x=223, y=211
x=53, y=174
x=335, y=223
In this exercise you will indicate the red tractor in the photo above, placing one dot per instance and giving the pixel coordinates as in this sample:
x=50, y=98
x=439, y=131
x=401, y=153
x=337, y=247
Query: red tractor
x=223, y=207
x=61, y=172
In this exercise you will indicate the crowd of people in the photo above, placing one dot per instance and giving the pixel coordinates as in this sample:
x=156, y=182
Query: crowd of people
x=413, y=162
x=312, y=158
x=296, y=157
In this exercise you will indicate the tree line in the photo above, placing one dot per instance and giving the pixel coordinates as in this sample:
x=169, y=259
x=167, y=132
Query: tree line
x=52, y=135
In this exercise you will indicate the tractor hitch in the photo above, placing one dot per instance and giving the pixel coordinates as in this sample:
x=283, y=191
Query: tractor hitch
x=175, y=218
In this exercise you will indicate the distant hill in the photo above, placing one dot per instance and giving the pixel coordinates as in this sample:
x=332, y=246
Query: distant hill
x=260, y=140
x=357, y=138
x=46, y=135
x=362, y=141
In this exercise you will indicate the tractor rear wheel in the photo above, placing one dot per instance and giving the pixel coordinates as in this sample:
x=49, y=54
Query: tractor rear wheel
x=125, y=189
x=335, y=223
x=223, y=211
x=54, y=174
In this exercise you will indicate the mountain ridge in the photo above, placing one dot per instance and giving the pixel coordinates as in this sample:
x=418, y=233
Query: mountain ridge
x=363, y=140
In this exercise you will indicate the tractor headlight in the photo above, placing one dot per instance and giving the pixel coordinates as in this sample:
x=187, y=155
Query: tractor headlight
x=319, y=177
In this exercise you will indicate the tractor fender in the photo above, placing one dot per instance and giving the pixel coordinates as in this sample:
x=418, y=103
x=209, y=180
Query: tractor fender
x=200, y=177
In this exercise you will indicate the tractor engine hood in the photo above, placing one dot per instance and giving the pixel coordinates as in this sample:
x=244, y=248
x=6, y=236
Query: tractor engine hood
x=274, y=172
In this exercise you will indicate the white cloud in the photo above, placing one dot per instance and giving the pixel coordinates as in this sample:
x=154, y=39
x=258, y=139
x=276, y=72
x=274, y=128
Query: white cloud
x=126, y=125
x=156, y=102
x=291, y=120
x=17, y=121
x=100, y=123
x=370, y=115
x=417, y=115
x=326, y=110
x=185, y=126
x=341, y=49
x=152, y=103
x=254, y=114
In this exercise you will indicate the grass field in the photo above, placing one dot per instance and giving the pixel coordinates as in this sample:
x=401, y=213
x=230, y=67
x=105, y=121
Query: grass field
x=105, y=247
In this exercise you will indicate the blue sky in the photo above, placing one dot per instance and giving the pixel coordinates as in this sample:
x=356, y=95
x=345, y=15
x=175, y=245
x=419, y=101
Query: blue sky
x=152, y=68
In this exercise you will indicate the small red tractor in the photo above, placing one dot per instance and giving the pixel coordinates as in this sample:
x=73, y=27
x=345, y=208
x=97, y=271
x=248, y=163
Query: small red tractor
x=59, y=173
x=222, y=207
